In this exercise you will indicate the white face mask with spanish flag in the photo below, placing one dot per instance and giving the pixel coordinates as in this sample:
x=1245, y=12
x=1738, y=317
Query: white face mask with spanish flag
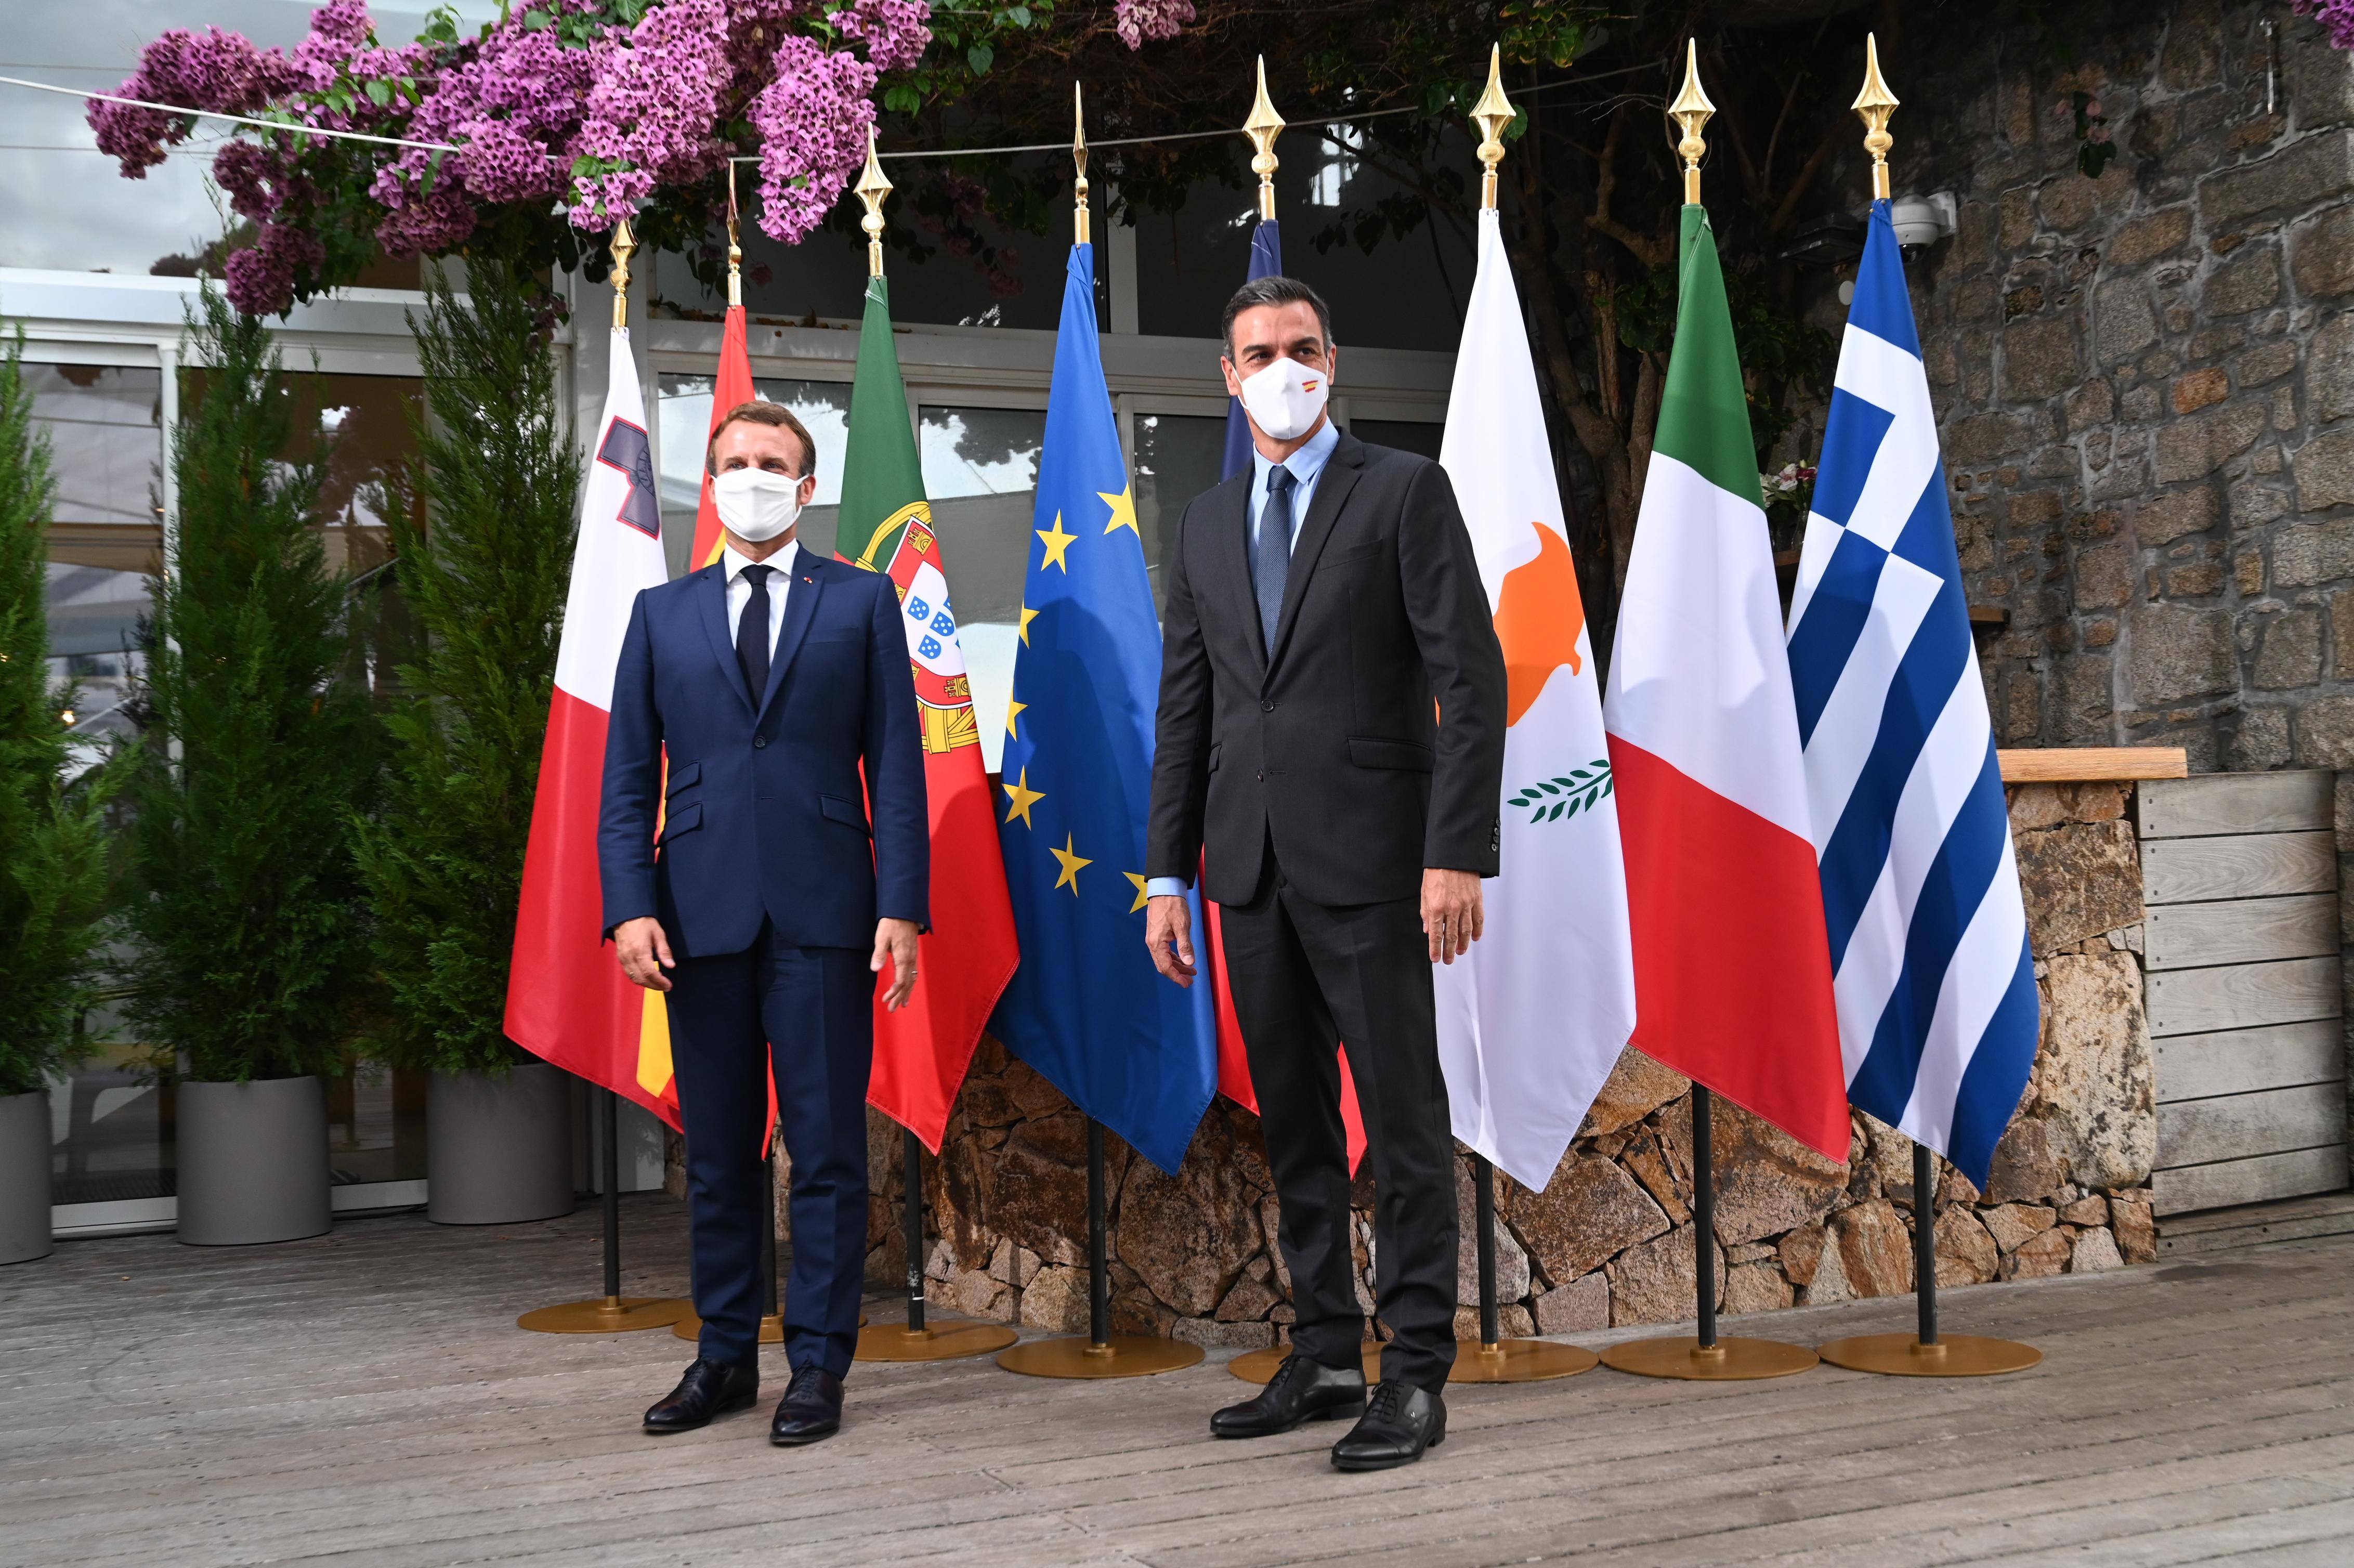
x=1285, y=399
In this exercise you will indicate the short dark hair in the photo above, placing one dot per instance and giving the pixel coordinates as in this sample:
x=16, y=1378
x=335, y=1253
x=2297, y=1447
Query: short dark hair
x=1276, y=291
x=759, y=411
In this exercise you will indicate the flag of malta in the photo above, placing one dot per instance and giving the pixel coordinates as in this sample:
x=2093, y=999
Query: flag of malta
x=567, y=999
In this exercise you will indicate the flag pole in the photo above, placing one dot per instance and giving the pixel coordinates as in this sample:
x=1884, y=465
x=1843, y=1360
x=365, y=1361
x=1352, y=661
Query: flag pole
x=1491, y=1357
x=915, y=1339
x=1924, y=1354
x=1102, y=1353
x=612, y=1313
x=1704, y=1355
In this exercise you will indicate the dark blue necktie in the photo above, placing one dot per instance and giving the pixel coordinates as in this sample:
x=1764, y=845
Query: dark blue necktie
x=752, y=632
x=1273, y=562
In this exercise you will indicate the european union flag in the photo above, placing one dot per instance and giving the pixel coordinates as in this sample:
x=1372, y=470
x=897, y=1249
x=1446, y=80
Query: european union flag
x=1087, y=1008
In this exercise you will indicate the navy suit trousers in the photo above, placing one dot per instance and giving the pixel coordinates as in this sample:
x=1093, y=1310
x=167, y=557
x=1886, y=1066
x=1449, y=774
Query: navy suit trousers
x=816, y=1004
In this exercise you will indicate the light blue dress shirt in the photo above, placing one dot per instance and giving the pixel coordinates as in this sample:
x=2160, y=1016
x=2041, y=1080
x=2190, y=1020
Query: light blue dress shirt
x=1307, y=466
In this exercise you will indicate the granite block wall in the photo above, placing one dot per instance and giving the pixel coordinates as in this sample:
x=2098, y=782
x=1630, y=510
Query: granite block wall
x=1610, y=1240
x=2144, y=380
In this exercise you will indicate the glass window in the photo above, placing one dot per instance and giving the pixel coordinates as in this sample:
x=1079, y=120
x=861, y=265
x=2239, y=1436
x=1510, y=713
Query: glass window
x=104, y=427
x=376, y=1127
x=110, y=1126
x=1405, y=292
x=968, y=270
x=1178, y=456
x=1407, y=435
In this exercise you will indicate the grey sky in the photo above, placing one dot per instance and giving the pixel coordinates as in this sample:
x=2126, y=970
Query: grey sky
x=73, y=211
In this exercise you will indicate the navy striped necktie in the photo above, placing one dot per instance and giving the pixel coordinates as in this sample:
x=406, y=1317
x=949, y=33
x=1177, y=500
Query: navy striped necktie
x=1272, y=567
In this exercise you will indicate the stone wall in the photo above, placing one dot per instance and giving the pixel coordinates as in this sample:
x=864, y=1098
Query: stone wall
x=1610, y=1241
x=2144, y=380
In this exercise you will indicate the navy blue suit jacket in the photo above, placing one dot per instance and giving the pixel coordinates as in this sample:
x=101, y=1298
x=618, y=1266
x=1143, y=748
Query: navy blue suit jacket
x=765, y=815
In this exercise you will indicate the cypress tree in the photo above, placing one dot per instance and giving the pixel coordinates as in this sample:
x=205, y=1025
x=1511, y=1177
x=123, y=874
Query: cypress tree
x=53, y=849
x=258, y=746
x=484, y=576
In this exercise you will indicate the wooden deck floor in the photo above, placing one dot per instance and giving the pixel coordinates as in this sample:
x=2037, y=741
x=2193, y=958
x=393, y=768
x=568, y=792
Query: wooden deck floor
x=365, y=1399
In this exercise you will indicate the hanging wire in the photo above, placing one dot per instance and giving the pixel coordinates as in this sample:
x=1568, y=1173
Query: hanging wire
x=1063, y=146
x=238, y=119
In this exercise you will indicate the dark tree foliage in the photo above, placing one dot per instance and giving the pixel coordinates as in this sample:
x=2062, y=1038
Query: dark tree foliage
x=53, y=850
x=260, y=747
x=483, y=565
x=1589, y=187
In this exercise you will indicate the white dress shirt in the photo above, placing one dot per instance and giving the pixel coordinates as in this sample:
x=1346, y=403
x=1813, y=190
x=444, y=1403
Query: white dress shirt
x=1307, y=466
x=739, y=592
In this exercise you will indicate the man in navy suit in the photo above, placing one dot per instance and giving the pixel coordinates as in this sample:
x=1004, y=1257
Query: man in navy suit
x=772, y=899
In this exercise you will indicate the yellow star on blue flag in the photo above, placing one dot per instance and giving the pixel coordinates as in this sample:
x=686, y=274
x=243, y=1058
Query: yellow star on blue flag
x=1086, y=1008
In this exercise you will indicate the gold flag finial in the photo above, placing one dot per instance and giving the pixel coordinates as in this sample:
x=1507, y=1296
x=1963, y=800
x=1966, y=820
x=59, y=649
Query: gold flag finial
x=1079, y=230
x=871, y=188
x=734, y=249
x=624, y=245
x=1263, y=127
x=1492, y=114
x=1691, y=110
x=1874, y=104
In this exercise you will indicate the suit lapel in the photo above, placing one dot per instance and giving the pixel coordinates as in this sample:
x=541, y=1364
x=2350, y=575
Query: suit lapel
x=711, y=606
x=1231, y=551
x=800, y=609
x=1332, y=487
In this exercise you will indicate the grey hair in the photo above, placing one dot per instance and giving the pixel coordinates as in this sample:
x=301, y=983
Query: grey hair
x=1276, y=291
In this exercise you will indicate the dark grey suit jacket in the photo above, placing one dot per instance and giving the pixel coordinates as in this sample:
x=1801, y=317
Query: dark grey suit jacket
x=1327, y=745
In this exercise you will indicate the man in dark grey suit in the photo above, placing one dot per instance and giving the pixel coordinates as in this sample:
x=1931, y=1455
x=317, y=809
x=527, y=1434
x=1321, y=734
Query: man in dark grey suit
x=1332, y=731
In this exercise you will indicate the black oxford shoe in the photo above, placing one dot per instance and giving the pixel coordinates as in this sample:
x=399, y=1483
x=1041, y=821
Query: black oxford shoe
x=1400, y=1420
x=709, y=1389
x=810, y=1409
x=1302, y=1389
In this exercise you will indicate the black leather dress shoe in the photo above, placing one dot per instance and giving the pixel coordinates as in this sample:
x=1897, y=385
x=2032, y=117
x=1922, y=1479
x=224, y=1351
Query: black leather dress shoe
x=709, y=1389
x=810, y=1409
x=1302, y=1389
x=1400, y=1420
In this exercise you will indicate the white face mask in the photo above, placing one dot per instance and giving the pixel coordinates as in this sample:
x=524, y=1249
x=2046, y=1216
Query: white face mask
x=755, y=504
x=1285, y=399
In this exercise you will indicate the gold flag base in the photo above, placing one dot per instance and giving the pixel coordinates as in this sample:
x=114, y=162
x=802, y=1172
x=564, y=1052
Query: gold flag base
x=933, y=1343
x=605, y=1315
x=1509, y=1361
x=1518, y=1361
x=1120, y=1355
x=1953, y=1355
x=772, y=1327
x=1728, y=1361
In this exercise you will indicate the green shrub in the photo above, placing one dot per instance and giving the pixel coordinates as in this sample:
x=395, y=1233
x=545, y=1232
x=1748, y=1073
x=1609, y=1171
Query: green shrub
x=484, y=579
x=259, y=746
x=53, y=845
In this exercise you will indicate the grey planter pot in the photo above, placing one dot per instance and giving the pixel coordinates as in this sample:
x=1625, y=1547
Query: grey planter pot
x=498, y=1151
x=253, y=1162
x=24, y=1177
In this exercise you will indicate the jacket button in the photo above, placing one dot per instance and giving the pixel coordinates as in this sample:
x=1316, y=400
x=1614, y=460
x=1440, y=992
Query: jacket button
x=1268, y=706
x=1260, y=776
x=759, y=741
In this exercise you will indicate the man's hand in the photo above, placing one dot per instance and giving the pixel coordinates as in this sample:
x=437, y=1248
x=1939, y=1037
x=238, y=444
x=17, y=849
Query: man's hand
x=1169, y=934
x=895, y=941
x=644, y=952
x=1452, y=916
